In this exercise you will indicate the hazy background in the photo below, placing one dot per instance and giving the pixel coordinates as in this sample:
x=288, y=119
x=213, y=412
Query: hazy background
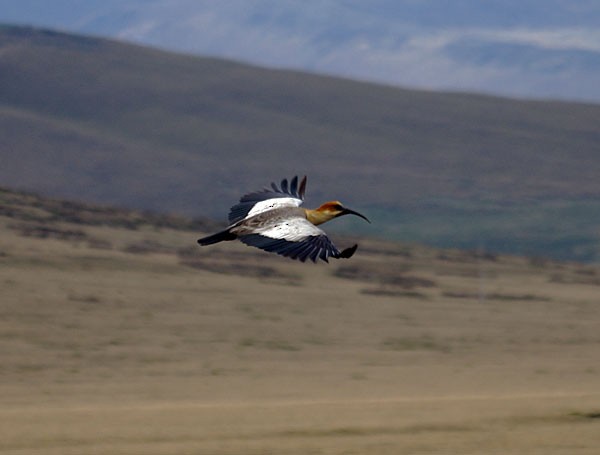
x=189, y=132
x=524, y=48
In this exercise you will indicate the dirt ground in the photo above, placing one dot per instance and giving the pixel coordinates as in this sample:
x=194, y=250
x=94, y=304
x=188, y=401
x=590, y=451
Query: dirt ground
x=127, y=341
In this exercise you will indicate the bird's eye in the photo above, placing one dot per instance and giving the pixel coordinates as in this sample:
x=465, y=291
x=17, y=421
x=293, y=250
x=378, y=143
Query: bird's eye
x=338, y=207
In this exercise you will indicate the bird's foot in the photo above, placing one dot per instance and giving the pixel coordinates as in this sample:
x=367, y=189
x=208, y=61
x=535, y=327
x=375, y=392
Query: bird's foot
x=348, y=252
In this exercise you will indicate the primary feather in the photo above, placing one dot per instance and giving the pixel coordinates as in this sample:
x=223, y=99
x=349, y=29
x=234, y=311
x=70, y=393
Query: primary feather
x=261, y=201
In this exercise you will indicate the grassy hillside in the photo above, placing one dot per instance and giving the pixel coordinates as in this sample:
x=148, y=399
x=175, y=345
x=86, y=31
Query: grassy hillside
x=104, y=121
x=120, y=335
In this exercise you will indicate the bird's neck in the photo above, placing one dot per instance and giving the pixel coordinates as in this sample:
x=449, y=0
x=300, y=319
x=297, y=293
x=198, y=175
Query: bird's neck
x=316, y=216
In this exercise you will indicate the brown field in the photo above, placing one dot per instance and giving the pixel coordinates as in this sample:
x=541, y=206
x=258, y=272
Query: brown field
x=119, y=340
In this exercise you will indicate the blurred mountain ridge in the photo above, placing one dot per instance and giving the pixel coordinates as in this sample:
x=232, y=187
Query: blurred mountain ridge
x=104, y=121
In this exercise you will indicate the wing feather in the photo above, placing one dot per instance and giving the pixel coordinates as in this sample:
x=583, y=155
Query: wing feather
x=296, y=238
x=285, y=195
x=312, y=247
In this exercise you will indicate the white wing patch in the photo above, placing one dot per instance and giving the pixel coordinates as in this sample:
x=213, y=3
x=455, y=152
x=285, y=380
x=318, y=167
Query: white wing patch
x=288, y=194
x=270, y=204
x=293, y=229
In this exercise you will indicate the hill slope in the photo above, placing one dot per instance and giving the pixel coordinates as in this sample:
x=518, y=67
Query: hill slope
x=534, y=48
x=105, y=121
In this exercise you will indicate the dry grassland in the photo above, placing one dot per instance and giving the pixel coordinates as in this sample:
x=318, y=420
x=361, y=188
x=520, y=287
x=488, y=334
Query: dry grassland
x=135, y=341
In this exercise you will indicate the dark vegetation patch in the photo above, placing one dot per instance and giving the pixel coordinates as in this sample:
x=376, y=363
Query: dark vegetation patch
x=272, y=344
x=495, y=296
x=468, y=256
x=386, y=292
x=49, y=232
x=362, y=431
x=575, y=278
x=234, y=268
x=147, y=246
x=382, y=274
x=593, y=415
x=33, y=208
x=99, y=244
x=387, y=249
x=472, y=271
x=222, y=264
x=84, y=298
x=424, y=342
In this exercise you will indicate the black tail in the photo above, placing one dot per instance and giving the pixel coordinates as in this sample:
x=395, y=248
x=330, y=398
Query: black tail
x=216, y=238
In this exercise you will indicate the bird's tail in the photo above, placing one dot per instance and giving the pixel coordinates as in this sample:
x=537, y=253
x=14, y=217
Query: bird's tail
x=216, y=238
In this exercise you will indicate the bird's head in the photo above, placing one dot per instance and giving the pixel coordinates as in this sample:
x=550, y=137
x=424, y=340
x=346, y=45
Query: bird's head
x=330, y=210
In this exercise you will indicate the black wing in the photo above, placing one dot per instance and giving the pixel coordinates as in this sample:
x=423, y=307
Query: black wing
x=313, y=247
x=247, y=202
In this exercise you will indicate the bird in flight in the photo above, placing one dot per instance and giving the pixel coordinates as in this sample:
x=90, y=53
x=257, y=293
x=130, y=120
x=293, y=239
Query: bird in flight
x=273, y=220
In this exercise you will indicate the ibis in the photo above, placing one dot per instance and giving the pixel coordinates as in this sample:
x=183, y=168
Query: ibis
x=272, y=220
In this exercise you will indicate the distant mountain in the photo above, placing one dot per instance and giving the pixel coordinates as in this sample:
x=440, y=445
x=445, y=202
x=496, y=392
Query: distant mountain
x=527, y=48
x=104, y=121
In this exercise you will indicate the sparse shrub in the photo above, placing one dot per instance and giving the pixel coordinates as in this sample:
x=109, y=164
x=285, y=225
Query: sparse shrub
x=385, y=292
x=84, y=298
x=147, y=247
x=467, y=256
x=99, y=244
x=424, y=342
x=565, y=278
x=381, y=273
x=49, y=232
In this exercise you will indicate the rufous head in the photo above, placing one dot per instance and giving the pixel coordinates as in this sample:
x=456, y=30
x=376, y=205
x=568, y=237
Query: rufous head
x=335, y=209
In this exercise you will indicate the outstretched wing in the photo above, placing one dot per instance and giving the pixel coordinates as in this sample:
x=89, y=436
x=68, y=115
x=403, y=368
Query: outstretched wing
x=251, y=204
x=296, y=238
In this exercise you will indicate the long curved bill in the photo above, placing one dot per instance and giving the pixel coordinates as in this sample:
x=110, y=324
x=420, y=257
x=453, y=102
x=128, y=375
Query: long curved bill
x=352, y=212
